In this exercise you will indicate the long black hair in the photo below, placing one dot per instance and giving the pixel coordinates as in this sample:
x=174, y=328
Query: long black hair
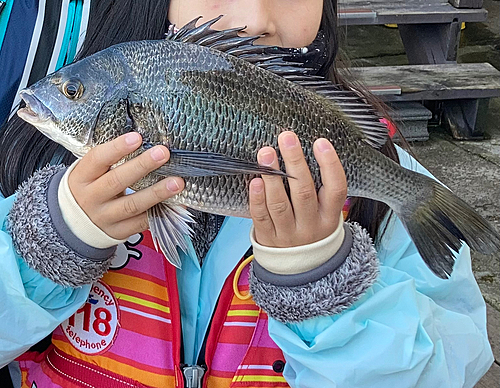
x=25, y=149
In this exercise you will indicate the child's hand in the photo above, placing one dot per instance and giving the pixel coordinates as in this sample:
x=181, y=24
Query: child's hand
x=99, y=191
x=309, y=217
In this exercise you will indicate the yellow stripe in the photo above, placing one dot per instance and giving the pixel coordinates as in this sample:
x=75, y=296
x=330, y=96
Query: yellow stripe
x=243, y=313
x=136, y=284
x=269, y=379
x=142, y=302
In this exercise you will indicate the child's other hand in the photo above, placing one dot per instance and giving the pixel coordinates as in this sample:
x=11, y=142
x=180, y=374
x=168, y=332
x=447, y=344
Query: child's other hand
x=309, y=217
x=99, y=191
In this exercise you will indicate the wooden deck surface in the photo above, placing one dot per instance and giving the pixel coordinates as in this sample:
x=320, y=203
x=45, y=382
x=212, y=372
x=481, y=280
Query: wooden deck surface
x=364, y=12
x=432, y=82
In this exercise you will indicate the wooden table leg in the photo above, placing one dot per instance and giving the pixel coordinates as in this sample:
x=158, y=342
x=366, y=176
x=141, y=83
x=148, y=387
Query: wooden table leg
x=438, y=44
x=430, y=43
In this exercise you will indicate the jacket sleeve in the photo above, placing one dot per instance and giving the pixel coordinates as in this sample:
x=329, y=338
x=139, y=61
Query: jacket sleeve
x=31, y=306
x=409, y=329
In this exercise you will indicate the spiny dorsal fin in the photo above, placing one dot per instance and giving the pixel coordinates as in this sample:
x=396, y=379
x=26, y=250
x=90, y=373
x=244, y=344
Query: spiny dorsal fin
x=298, y=65
x=293, y=61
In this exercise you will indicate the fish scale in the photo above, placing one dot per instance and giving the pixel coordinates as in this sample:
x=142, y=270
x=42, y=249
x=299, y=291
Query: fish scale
x=310, y=116
x=215, y=110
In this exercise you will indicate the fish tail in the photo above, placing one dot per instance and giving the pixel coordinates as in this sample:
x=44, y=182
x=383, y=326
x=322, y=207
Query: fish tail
x=438, y=221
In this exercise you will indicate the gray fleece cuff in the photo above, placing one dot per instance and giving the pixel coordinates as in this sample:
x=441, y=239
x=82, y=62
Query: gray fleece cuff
x=43, y=239
x=328, y=295
x=309, y=276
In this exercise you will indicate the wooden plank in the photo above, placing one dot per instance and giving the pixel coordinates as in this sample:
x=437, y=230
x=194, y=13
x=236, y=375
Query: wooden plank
x=354, y=12
x=433, y=82
x=466, y=3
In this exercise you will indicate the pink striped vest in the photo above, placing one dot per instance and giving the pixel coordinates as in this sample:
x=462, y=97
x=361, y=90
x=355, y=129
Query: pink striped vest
x=128, y=333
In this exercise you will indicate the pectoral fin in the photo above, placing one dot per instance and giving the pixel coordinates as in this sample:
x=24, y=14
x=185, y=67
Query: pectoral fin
x=196, y=163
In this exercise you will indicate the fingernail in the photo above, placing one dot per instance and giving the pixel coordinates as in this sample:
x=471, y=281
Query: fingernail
x=289, y=140
x=267, y=158
x=324, y=145
x=132, y=138
x=157, y=154
x=172, y=185
x=257, y=187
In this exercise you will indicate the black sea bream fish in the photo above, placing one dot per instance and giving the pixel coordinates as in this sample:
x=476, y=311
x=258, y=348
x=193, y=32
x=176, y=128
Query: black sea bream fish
x=214, y=100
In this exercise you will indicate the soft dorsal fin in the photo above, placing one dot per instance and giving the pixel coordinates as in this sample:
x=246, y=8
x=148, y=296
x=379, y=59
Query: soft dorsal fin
x=298, y=65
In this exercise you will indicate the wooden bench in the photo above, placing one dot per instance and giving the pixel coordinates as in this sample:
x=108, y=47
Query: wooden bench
x=465, y=88
x=430, y=32
x=429, y=29
x=364, y=12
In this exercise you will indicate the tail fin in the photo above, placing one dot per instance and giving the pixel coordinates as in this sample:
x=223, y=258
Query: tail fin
x=439, y=223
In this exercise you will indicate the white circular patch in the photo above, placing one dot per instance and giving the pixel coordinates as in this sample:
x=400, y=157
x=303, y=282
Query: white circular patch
x=92, y=329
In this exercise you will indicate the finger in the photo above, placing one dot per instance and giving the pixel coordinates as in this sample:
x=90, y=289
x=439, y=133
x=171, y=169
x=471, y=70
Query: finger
x=302, y=189
x=277, y=202
x=129, y=227
x=99, y=159
x=118, y=179
x=129, y=206
x=262, y=222
x=333, y=193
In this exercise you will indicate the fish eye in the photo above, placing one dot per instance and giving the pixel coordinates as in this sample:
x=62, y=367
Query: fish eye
x=72, y=88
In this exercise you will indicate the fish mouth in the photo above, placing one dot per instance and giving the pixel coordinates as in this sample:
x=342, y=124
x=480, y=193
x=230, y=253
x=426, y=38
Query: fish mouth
x=35, y=111
x=41, y=117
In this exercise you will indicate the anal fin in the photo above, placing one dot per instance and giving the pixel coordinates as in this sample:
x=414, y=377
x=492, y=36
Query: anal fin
x=169, y=226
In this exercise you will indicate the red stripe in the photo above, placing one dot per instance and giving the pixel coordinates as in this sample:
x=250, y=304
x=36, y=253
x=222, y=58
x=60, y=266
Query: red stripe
x=241, y=319
x=145, y=326
x=219, y=317
x=218, y=373
x=263, y=316
x=263, y=356
x=236, y=335
x=253, y=307
x=173, y=297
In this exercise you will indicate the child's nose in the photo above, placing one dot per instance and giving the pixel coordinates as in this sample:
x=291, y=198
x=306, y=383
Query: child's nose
x=258, y=16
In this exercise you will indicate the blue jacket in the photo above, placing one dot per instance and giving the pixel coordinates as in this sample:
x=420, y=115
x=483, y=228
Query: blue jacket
x=411, y=329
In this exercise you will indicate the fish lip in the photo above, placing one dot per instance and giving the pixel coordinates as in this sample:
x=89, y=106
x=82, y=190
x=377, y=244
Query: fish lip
x=35, y=111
